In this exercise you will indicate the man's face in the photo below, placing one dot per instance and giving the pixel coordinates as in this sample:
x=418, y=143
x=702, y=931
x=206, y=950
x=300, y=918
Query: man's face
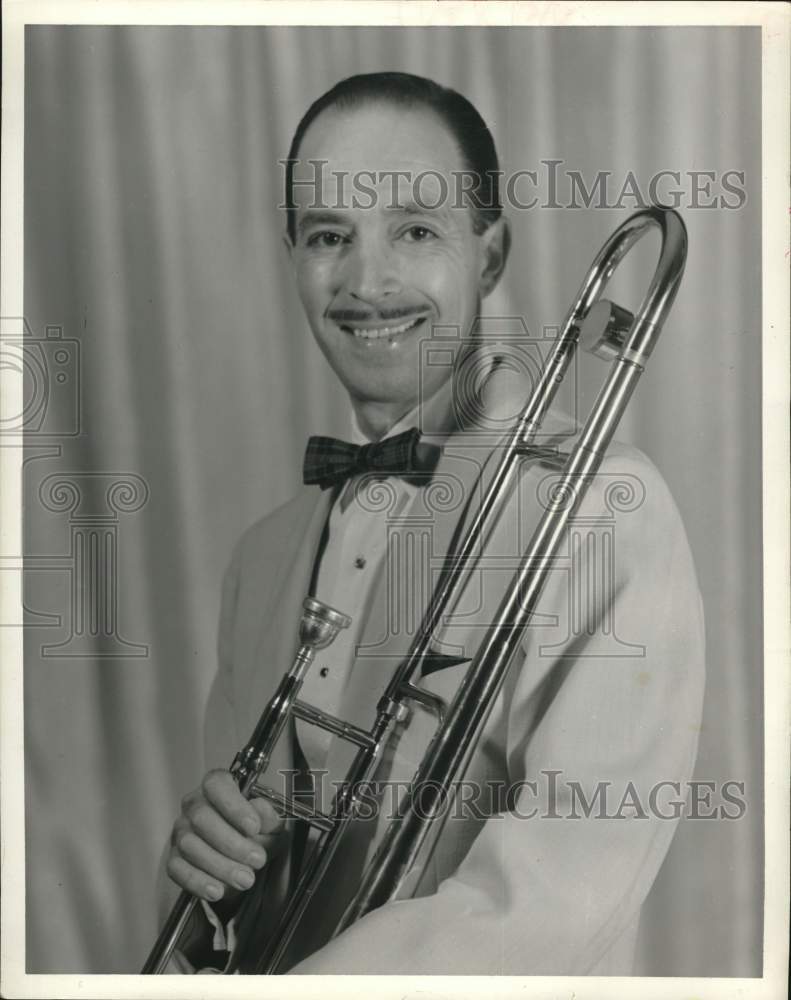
x=374, y=277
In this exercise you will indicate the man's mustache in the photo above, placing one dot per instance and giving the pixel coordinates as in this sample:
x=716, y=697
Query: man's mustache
x=366, y=315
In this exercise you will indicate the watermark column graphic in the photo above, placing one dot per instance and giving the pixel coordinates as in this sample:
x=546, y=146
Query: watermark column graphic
x=93, y=502
x=48, y=418
x=410, y=560
x=588, y=558
x=413, y=562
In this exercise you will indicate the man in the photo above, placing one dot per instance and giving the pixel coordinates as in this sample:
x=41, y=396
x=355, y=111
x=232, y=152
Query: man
x=396, y=235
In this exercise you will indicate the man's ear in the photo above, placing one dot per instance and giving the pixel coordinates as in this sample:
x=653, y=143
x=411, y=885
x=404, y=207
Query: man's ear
x=496, y=244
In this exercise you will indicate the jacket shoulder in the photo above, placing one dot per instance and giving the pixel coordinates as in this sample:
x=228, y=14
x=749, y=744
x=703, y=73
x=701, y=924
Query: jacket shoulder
x=275, y=534
x=629, y=482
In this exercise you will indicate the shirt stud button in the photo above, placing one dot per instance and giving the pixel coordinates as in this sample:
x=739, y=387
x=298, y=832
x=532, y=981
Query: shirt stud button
x=324, y=672
x=359, y=562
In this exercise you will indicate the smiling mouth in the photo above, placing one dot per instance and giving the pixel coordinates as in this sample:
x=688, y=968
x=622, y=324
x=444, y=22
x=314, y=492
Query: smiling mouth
x=382, y=332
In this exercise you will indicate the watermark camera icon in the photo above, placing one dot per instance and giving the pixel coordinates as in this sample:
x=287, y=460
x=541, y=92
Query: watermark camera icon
x=500, y=345
x=50, y=370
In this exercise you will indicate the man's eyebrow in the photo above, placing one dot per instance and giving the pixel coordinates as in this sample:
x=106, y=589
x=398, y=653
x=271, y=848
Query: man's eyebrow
x=312, y=217
x=412, y=207
x=409, y=208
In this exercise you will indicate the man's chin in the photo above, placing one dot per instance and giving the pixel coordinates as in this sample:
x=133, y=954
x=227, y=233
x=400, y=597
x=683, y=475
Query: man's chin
x=394, y=402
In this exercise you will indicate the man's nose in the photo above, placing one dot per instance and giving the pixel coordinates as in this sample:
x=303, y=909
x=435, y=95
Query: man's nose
x=372, y=272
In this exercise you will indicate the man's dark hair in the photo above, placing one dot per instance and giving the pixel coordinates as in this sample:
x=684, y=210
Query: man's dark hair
x=406, y=90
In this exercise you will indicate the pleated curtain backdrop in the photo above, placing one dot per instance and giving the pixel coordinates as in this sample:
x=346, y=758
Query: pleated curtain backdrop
x=152, y=240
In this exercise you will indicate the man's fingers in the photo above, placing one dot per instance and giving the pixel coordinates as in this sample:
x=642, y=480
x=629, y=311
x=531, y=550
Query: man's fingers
x=209, y=826
x=194, y=881
x=222, y=792
x=208, y=862
x=253, y=816
x=270, y=819
x=221, y=838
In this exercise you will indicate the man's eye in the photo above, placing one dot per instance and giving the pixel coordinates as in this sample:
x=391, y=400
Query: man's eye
x=419, y=234
x=326, y=238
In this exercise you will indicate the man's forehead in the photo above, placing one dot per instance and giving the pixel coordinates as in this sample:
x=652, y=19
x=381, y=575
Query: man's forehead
x=401, y=185
x=379, y=139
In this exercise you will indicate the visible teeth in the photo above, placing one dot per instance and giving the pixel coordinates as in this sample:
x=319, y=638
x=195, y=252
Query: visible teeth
x=384, y=331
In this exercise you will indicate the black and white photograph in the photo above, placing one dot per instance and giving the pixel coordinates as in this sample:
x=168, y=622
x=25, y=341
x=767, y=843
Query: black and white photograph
x=395, y=492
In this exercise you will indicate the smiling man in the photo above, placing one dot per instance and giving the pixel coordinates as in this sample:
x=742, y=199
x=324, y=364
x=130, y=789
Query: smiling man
x=395, y=232
x=375, y=278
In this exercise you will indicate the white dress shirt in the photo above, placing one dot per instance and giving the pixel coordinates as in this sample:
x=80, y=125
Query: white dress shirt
x=355, y=547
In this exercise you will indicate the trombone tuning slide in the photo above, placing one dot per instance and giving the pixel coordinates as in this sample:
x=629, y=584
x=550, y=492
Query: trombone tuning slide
x=605, y=329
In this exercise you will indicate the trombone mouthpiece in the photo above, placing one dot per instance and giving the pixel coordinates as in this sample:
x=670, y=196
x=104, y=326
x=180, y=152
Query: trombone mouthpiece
x=320, y=624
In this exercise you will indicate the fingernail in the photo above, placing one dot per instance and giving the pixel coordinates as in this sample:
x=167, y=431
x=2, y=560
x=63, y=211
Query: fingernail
x=243, y=879
x=257, y=858
x=214, y=891
x=250, y=825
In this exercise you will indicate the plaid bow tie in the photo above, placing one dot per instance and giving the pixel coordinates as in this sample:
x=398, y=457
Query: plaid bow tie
x=329, y=461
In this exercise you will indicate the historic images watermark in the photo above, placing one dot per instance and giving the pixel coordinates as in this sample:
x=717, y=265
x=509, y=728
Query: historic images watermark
x=501, y=352
x=50, y=370
x=550, y=795
x=551, y=184
x=92, y=503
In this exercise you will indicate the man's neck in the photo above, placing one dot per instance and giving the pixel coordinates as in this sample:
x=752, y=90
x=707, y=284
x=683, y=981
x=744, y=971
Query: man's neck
x=376, y=419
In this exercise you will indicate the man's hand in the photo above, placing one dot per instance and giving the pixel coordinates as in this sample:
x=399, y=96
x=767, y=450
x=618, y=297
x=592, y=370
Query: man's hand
x=220, y=838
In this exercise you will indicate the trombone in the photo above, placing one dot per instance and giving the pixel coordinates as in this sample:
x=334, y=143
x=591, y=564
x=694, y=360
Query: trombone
x=612, y=333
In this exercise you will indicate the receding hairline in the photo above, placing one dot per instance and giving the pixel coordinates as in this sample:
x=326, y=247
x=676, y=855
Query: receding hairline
x=347, y=109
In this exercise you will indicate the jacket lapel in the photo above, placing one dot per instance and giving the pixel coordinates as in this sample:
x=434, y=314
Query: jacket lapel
x=272, y=651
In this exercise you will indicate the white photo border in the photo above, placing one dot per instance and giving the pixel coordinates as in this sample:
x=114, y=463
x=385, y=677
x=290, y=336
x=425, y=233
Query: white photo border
x=774, y=20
